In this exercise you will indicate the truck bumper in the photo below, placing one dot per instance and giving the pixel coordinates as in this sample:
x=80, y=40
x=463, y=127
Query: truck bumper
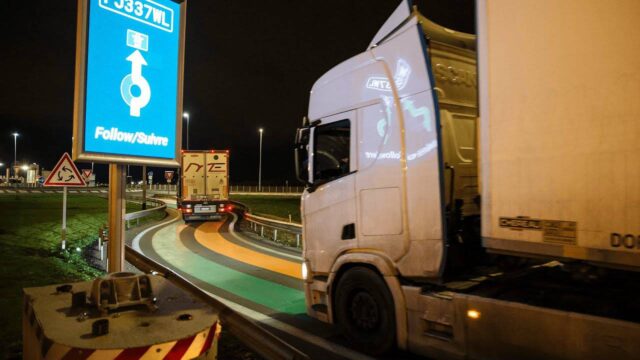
x=202, y=217
x=203, y=211
x=318, y=304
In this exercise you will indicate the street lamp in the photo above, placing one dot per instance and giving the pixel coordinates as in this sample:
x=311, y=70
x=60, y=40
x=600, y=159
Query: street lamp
x=15, y=151
x=186, y=115
x=260, y=163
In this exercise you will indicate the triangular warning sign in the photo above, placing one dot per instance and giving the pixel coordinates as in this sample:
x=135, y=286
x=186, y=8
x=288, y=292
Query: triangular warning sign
x=86, y=173
x=65, y=173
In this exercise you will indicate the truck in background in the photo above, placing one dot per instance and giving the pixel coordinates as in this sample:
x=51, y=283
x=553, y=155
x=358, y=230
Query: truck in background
x=203, y=193
x=412, y=200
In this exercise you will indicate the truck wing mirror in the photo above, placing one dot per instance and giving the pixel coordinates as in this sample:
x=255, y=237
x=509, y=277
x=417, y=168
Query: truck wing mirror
x=301, y=152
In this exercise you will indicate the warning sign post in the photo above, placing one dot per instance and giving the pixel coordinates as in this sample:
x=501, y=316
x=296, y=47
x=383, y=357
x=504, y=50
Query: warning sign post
x=65, y=174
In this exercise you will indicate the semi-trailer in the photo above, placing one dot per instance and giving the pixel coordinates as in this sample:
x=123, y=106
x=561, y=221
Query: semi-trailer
x=203, y=193
x=479, y=197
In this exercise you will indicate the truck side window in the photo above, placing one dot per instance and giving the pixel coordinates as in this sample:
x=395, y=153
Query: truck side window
x=331, y=155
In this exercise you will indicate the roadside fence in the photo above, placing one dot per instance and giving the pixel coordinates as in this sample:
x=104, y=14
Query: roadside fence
x=235, y=189
x=98, y=251
x=281, y=189
x=280, y=232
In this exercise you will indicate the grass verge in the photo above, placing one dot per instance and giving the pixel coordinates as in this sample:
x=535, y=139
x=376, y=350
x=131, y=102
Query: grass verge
x=30, y=244
x=278, y=207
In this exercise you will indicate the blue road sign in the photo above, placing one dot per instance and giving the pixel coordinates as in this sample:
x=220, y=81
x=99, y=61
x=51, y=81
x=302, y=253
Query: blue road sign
x=132, y=78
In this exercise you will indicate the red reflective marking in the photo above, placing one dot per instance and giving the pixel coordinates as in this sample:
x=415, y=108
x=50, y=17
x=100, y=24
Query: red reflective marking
x=209, y=341
x=178, y=350
x=79, y=354
x=133, y=353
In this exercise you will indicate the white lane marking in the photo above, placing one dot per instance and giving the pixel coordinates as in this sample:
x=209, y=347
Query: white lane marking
x=253, y=244
x=136, y=240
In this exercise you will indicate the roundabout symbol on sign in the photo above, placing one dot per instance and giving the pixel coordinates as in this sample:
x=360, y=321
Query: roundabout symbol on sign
x=141, y=42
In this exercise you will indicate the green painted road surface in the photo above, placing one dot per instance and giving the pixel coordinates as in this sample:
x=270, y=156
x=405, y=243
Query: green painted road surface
x=263, y=291
x=269, y=294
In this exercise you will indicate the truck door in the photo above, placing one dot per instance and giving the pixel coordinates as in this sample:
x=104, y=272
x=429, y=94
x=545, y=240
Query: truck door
x=406, y=173
x=331, y=215
x=193, y=176
x=217, y=178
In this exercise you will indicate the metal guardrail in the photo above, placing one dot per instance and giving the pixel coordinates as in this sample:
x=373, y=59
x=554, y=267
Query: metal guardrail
x=275, y=225
x=103, y=232
x=267, y=189
x=250, y=333
x=160, y=206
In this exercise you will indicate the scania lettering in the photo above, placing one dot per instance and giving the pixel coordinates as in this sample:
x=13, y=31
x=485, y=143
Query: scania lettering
x=204, y=185
x=499, y=236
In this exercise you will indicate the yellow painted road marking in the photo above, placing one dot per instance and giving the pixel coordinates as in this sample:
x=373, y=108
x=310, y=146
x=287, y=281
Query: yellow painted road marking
x=208, y=236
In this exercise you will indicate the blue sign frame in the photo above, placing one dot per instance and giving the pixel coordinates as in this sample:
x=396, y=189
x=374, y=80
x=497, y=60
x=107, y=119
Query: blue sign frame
x=129, y=77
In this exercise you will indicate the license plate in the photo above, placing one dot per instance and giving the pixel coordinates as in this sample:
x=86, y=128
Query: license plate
x=205, y=208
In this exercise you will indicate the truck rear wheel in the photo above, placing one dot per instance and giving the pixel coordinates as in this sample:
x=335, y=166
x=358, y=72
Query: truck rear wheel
x=365, y=312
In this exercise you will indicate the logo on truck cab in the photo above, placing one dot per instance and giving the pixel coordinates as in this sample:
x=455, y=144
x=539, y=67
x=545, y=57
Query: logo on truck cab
x=456, y=75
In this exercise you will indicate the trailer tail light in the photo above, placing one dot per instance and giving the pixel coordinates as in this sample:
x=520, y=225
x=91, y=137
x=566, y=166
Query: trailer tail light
x=229, y=208
x=187, y=210
x=473, y=314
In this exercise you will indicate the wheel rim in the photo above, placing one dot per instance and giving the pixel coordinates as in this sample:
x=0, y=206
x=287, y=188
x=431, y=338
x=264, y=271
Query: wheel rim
x=364, y=311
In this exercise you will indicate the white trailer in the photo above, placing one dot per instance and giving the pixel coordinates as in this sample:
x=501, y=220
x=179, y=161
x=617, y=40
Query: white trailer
x=204, y=184
x=401, y=173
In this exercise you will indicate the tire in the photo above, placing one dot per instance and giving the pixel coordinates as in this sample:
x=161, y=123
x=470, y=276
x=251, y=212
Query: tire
x=365, y=312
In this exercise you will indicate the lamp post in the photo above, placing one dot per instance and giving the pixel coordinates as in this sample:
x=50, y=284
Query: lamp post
x=260, y=163
x=15, y=152
x=186, y=116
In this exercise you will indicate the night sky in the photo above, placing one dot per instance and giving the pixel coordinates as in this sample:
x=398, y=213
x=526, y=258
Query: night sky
x=249, y=64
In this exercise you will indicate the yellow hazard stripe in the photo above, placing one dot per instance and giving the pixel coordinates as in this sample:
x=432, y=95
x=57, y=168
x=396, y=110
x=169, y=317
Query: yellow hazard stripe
x=105, y=354
x=57, y=351
x=196, y=346
x=158, y=351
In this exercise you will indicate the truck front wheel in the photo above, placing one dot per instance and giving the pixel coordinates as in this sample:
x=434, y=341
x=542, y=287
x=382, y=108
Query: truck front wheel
x=365, y=312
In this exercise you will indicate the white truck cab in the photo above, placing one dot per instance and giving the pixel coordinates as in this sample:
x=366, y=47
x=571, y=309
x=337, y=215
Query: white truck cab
x=391, y=212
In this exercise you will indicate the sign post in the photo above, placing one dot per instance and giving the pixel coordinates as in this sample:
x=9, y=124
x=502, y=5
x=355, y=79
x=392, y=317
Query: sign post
x=168, y=175
x=117, y=204
x=128, y=98
x=144, y=188
x=86, y=175
x=64, y=174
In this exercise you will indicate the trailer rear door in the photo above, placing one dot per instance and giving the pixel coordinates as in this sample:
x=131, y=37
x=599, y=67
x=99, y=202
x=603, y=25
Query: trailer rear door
x=217, y=178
